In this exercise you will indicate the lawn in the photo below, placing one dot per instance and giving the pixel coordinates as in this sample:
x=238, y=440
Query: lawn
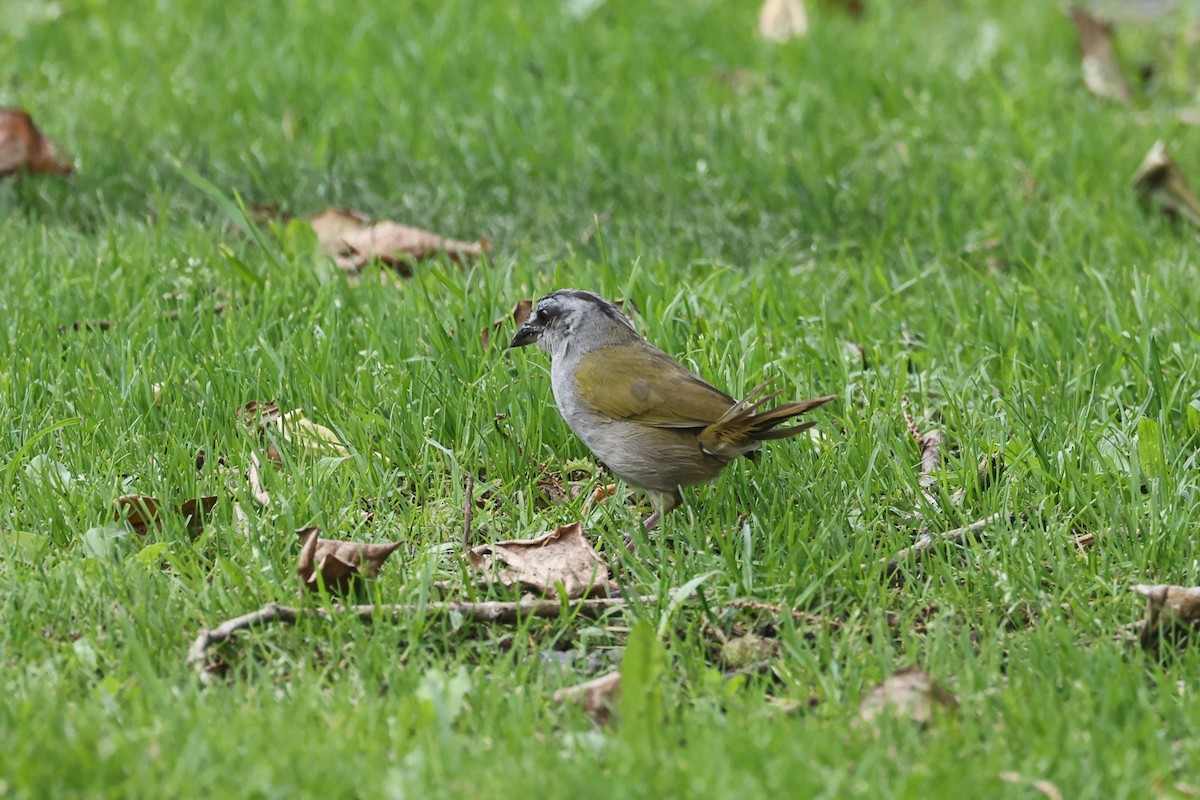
x=923, y=203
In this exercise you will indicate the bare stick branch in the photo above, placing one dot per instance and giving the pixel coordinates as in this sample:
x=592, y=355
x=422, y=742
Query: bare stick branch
x=929, y=539
x=932, y=444
x=802, y=617
x=468, y=511
x=496, y=612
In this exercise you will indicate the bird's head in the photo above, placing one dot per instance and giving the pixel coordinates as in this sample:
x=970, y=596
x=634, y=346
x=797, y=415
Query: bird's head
x=572, y=320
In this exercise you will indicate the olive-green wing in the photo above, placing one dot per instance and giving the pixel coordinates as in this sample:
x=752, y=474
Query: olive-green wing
x=638, y=382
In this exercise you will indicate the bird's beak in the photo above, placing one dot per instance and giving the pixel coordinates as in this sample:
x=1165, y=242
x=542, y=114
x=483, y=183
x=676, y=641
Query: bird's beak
x=526, y=334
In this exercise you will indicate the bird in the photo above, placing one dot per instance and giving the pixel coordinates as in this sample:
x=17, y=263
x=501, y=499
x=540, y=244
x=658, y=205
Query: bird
x=653, y=422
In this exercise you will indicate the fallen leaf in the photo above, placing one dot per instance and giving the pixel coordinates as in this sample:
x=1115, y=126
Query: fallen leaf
x=334, y=223
x=338, y=564
x=782, y=20
x=298, y=429
x=563, y=556
x=23, y=148
x=1101, y=72
x=1159, y=181
x=256, y=415
x=597, y=697
x=352, y=241
x=1171, y=612
x=142, y=511
x=519, y=313
x=908, y=692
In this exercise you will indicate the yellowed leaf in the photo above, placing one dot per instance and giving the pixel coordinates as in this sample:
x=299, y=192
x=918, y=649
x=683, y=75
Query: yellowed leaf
x=299, y=430
x=782, y=20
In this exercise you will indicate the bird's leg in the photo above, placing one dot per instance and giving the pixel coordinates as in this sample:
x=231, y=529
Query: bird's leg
x=664, y=503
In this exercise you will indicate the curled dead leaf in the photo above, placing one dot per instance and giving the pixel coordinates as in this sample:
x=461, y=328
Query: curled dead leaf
x=519, y=313
x=907, y=692
x=562, y=557
x=142, y=511
x=337, y=564
x=334, y=223
x=23, y=148
x=782, y=20
x=257, y=414
x=597, y=697
x=352, y=241
x=1159, y=181
x=1172, y=612
x=1101, y=71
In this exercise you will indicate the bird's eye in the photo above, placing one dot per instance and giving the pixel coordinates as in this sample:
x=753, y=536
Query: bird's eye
x=542, y=316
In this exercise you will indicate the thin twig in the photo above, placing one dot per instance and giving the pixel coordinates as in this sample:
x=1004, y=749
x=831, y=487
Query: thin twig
x=771, y=608
x=496, y=612
x=929, y=539
x=932, y=444
x=468, y=511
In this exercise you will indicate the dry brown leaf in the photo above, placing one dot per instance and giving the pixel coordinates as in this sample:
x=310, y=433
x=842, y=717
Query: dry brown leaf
x=1171, y=612
x=519, y=313
x=23, y=148
x=782, y=20
x=597, y=697
x=334, y=223
x=1101, y=71
x=338, y=564
x=1159, y=181
x=399, y=245
x=908, y=692
x=352, y=241
x=256, y=415
x=563, y=556
x=142, y=511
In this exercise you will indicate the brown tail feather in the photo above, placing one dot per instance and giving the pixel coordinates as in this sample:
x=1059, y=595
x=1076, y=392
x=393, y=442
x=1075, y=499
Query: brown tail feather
x=740, y=429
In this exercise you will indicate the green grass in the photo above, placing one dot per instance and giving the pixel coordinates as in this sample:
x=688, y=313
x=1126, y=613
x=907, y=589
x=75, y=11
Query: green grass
x=768, y=208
